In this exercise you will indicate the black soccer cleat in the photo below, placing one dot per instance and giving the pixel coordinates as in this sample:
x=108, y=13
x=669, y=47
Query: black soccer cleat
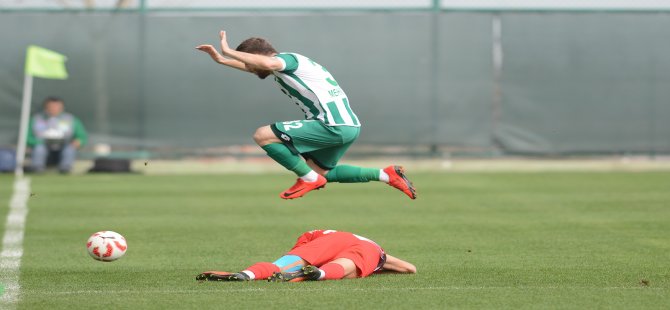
x=306, y=273
x=222, y=276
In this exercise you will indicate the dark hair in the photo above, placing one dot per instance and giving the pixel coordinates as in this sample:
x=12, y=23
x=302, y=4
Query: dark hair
x=256, y=46
x=51, y=99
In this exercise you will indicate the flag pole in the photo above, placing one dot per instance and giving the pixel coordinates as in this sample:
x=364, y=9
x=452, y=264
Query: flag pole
x=23, y=127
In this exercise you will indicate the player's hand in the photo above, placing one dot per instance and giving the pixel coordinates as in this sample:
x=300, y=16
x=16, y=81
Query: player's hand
x=76, y=143
x=209, y=49
x=224, y=42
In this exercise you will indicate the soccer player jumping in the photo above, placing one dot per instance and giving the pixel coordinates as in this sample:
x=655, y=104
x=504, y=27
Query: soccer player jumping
x=329, y=128
x=320, y=255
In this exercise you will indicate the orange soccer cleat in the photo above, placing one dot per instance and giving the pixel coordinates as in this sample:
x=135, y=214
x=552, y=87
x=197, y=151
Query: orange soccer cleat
x=398, y=180
x=300, y=188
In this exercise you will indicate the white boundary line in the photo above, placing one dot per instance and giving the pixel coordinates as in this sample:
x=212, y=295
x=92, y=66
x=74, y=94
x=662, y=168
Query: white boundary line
x=223, y=288
x=12, y=244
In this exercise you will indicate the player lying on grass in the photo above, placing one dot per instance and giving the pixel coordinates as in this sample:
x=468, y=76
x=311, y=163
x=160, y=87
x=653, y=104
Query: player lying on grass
x=329, y=128
x=320, y=255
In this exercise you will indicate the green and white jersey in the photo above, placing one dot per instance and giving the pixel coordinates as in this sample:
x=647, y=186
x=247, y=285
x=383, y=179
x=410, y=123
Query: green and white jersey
x=314, y=90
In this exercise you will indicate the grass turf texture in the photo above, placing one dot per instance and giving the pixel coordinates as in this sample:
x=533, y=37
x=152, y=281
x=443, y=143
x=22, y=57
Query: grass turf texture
x=489, y=240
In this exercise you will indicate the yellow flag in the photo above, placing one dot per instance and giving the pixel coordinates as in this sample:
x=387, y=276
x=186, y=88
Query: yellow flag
x=44, y=63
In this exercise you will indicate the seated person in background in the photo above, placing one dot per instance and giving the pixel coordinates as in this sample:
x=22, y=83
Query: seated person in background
x=56, y=133
x=320, y=255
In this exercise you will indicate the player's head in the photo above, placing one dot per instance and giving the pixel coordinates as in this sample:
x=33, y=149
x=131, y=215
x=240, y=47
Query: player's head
x=53, y=106
x=257, y=46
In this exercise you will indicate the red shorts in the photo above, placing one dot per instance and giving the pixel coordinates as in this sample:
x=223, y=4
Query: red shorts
x=364, y=254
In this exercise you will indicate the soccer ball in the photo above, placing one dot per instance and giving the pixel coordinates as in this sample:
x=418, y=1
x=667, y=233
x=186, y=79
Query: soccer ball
x=106, y=246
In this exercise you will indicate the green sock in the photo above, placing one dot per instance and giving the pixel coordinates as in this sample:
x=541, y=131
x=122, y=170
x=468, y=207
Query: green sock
x=352, y=174
x=281, y=154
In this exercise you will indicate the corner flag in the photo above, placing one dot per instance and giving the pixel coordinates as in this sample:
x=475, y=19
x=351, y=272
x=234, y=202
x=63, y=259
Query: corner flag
x=44, y=63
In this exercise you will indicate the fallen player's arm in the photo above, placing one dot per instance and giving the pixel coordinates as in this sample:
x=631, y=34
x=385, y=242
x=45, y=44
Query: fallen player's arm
x=218, y=58
x=398, y=265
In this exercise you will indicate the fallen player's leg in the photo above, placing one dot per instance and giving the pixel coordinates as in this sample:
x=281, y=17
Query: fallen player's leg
x=337, y=269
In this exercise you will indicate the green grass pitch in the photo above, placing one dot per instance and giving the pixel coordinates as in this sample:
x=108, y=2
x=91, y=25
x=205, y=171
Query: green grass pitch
x=479, y=240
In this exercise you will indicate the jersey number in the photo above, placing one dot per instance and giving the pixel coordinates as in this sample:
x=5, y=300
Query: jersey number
x=292, y=125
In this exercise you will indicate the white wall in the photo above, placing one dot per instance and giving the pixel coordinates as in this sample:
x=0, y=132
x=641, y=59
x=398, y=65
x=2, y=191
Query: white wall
x=354, y=4
x=558, y=4
x=293, y=3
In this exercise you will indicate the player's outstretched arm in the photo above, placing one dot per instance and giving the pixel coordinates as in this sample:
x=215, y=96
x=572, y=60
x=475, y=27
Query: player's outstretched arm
x=261, y=62
x=218, y=58
x=398, y=265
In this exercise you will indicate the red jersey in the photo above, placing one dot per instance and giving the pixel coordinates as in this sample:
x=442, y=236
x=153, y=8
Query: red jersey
x=319, y=247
